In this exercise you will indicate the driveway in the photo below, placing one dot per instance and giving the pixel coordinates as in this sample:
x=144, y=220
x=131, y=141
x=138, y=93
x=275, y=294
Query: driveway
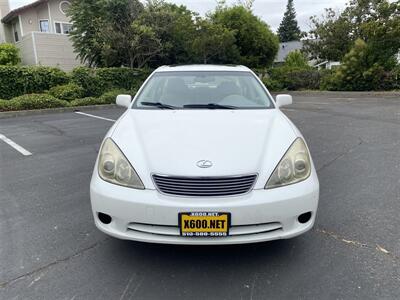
x=50, y=248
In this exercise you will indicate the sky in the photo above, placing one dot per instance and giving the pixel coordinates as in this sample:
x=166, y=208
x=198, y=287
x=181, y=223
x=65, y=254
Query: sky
x=270, y=11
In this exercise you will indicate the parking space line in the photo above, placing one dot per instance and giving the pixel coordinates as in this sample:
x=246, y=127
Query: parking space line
x=17, y=147
x=94, y=116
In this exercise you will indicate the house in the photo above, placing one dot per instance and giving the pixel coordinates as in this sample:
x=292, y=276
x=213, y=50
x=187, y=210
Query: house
x=329, y=65
x=285, y=49
x=40, y=30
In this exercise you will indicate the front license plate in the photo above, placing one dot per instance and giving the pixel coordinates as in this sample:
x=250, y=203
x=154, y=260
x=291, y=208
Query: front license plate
x=203, y=224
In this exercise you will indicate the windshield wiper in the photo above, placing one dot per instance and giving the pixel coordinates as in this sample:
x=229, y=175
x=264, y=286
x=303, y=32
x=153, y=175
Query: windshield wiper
x=210, y=106
x=158, y=104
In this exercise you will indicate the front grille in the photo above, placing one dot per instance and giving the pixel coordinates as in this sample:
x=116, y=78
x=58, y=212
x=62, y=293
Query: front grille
x=238, y=230
x=204, y=186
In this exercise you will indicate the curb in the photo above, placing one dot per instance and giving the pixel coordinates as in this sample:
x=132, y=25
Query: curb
x=20, y=113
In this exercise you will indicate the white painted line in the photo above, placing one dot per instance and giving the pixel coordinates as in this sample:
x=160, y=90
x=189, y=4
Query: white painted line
x=93, y=116
x=17, y=147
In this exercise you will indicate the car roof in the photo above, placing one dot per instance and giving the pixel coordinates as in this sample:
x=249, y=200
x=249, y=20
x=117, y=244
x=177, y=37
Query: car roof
x=189, y=68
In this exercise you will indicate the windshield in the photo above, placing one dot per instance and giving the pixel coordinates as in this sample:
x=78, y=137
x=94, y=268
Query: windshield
x=203, y=90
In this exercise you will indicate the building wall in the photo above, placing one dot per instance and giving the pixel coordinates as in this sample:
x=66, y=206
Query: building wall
x=8, y=34
x=42, y=48
x=4, y=10
x=27, y=51
x=29, y=21
x=56, y=14
x=42, y=14
x=47, y=11
x=15, y=26
x=55, y=50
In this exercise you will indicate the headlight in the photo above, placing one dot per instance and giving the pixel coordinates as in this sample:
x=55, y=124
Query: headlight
x=115, y=168
x=295, y=166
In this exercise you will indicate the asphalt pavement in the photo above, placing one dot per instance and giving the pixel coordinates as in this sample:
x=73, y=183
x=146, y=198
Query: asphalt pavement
x=50, y=248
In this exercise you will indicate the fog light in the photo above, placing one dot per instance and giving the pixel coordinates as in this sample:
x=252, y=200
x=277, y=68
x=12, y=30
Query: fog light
x=104, y=218
x=304, y=218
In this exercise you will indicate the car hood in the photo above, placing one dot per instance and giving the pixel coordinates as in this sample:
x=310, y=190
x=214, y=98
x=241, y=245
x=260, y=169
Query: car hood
x=171, y=142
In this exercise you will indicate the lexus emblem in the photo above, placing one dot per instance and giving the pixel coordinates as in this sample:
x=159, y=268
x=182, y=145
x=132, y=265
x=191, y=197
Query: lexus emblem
x=204, y=164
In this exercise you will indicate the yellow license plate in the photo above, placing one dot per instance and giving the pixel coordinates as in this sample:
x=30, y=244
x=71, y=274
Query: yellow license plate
x=204, y=224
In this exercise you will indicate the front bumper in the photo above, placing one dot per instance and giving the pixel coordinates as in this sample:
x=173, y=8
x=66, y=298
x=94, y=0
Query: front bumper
x=148, y=216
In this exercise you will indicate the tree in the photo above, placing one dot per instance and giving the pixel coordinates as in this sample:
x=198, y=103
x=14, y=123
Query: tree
x=256, y=43
x=377, y=22
x=296, y=60
x=101, y=28
x=329, y=38
x=355, y=73
x=129, y=33
x=88, y=19
x=289, y=29
x=213, y=43
x=174, y=27
x=9, y=55
x=144, y=44
x=118, y=33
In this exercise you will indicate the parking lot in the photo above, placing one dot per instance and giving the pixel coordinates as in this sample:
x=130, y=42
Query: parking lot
x=50, y=248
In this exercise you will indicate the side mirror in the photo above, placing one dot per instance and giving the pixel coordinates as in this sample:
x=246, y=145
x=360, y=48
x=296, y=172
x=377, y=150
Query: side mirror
x=283, y=100
x=124, y=100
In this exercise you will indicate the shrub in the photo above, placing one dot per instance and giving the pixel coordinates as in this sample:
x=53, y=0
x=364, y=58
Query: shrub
x=5, y=105
x=9, y=54
x=87, y=79
x=302, y=80
x=121, y=78
x=272, y=84
x=69, y=91
x=17, y=80
x=295, y=78
x=87, y=101
x=97, y=81
x=326, y=79
x=35, y=101
x=296, y=59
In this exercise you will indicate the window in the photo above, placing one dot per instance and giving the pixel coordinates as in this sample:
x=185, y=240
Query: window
x=14, y=28
x=44, y=25
x=58, y=27
x=63, y=28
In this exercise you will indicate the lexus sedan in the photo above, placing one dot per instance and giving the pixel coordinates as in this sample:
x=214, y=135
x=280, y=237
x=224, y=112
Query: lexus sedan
x=204, y=155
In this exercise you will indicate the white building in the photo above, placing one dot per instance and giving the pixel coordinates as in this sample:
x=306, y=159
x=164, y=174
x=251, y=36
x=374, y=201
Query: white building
x=40, y=30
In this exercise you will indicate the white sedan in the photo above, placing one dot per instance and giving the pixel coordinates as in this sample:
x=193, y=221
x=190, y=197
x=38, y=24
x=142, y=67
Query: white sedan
x=203, y=155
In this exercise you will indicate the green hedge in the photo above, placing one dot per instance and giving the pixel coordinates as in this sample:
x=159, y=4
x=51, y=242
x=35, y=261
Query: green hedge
x=32, y=101
x=69, y=91
x=87, y=79
x=285, y=78
x=121, y=78
x=272, y=84
x=97, y=81
x=87, y=101
x=5, y=105
x=16, y=80
x=20, y=80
